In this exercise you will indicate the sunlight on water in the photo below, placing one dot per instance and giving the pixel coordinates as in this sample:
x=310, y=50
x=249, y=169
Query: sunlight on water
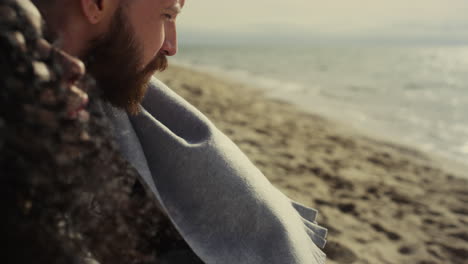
x=413, y=95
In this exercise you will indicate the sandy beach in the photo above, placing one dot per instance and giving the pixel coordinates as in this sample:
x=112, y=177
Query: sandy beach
x=382, y=202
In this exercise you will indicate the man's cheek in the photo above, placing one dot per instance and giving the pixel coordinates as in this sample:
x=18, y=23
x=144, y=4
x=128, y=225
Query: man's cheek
x=153, y=47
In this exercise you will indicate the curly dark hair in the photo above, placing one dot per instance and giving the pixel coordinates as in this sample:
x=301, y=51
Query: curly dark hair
x=67, y=195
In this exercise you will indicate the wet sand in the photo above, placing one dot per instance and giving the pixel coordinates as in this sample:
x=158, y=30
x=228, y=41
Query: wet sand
x=382, y=202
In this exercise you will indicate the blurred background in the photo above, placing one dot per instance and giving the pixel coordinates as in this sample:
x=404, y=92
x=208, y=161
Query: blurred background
x=396, y=68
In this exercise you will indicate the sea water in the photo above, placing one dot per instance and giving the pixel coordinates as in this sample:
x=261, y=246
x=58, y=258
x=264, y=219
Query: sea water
x=413, y=95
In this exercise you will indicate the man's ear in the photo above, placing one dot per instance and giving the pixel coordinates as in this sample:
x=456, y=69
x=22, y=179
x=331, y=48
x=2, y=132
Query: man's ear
x=94, y=10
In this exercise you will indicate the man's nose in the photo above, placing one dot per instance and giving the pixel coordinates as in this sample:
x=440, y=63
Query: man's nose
x=169, y=47
x=73, y=68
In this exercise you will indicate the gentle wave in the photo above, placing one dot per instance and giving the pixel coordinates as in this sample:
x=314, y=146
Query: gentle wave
x=416, y=96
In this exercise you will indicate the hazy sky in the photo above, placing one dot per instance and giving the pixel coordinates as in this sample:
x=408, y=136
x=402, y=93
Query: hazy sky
x=412, y=19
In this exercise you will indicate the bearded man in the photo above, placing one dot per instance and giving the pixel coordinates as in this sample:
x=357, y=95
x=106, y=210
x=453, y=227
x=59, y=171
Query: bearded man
x=221, y=204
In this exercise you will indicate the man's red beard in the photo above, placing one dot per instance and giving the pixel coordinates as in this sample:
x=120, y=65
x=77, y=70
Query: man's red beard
x=114, y=59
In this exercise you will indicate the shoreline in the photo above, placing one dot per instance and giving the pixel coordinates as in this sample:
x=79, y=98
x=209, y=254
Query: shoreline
x=382, y=202
x=274, y=90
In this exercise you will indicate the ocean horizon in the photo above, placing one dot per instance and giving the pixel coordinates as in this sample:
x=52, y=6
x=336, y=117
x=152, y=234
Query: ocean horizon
x=415, y=95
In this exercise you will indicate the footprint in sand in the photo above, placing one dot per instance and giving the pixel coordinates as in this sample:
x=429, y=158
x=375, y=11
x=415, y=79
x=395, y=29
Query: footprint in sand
x=460, y=211
x=391, y=235
x=461, y=235
x=457, y=252
x=339, y=253
x=348, y=208
x=406, y=250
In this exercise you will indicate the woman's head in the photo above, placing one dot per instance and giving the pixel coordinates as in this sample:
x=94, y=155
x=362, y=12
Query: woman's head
x=28, y=56
x=29, y=77
x=24, y=18
x=66, y=192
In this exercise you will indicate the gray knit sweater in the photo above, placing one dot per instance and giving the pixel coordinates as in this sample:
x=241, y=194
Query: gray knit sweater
x=222, y=205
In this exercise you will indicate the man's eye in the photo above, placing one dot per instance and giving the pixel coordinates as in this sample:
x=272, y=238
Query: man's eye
x=168, y=16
